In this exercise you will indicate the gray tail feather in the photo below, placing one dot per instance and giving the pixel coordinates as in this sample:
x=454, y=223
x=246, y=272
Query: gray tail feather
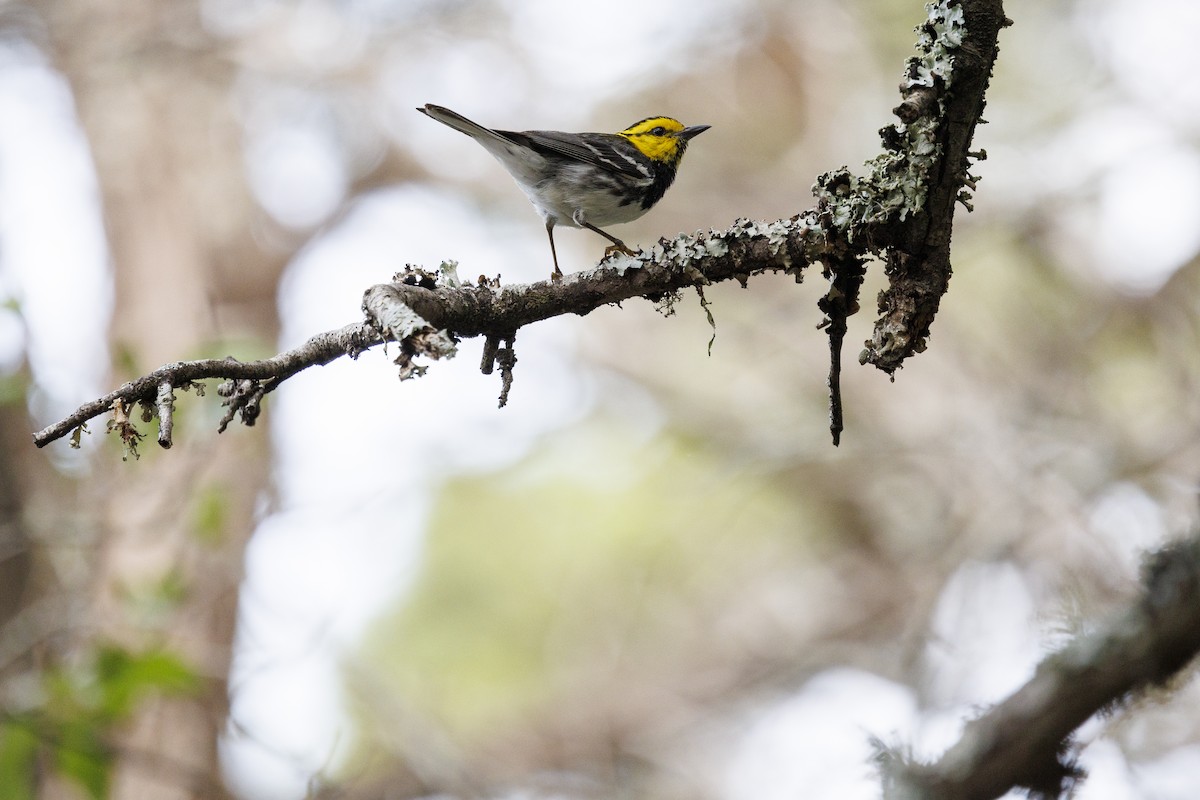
x=460, y=123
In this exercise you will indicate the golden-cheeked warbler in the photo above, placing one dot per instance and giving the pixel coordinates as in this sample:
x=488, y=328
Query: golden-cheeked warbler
x=585, y=180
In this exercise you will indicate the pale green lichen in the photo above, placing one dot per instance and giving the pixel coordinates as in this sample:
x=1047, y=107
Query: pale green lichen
x=715, y=245
x=683, y=248
x=777, y=234
x=897, y=183
x=942, y=34
x=623, y=262
x=448, y=274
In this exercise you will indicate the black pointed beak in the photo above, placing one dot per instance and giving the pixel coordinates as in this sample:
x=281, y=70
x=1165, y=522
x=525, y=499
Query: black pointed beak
x=693, y=130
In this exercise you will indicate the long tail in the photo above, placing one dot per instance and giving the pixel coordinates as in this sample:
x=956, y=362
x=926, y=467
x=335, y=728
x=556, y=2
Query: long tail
x=461, y=123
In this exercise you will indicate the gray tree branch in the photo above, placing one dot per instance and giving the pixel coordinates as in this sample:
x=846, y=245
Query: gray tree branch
x=901, y=210
x=320, y=349
x=1024, y=742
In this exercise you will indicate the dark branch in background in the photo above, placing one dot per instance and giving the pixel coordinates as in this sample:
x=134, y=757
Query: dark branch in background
x=901, y=210
x=1024, y=742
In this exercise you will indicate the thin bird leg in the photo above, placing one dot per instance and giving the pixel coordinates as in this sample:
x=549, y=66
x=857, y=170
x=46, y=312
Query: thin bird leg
x=554, y=253
x=617, y=244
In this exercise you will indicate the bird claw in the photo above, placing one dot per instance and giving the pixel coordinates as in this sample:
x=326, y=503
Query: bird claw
x=619, y=248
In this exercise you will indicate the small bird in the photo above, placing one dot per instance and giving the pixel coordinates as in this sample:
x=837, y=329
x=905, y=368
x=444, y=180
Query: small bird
x=585, y=180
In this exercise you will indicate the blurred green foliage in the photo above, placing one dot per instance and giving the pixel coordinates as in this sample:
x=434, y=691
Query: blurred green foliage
x=66, y=723
x=210, y=514
x=557, y=569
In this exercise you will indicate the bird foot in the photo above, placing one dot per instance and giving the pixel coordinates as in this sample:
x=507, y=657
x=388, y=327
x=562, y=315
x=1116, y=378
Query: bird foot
x=619, y=248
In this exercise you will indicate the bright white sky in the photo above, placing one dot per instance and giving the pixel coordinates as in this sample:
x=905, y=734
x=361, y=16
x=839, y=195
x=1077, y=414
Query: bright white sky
x=46, y=178
x=331, y=557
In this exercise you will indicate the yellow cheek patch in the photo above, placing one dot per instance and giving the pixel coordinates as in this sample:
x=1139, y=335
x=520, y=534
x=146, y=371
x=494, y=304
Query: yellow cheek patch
x=656, y=148
x=655, y=137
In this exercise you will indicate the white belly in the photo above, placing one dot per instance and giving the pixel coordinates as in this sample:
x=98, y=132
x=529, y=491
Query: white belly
x=559, y=200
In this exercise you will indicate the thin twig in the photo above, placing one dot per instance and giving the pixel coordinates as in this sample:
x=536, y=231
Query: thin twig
x=839, y=304
x=320, y=349
x=165, y=405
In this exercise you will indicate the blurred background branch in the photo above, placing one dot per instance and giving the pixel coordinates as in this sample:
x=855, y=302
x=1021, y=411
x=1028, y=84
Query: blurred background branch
x=1024, y=742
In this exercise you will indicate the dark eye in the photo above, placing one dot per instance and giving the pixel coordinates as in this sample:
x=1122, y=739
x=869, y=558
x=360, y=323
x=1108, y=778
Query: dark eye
x=659, y=131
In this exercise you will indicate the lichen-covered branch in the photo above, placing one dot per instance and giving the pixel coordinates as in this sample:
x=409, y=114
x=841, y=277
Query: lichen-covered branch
x=944, y=96
x=147, y=390
x=1024, y=742
x=900, y=210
